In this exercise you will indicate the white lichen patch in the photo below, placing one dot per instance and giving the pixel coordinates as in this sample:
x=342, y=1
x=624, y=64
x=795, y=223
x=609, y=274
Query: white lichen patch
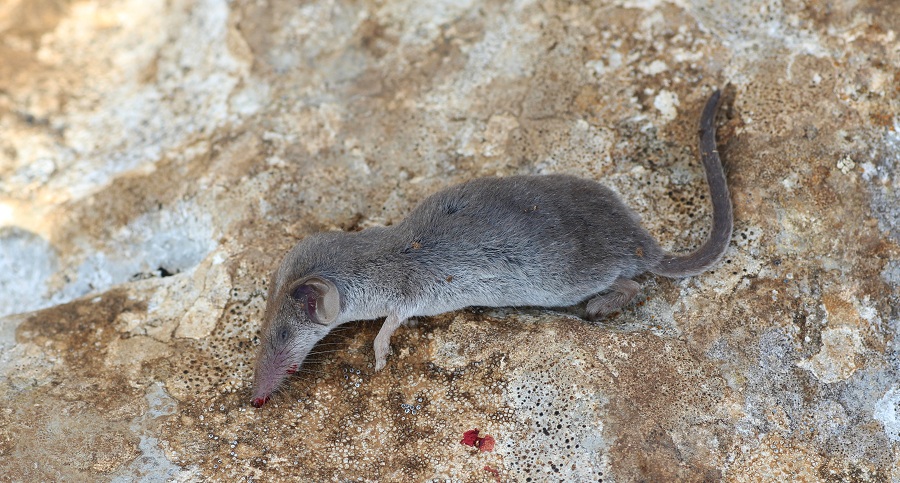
x=887, y=412
x=666, y=102
x=559, y=420
x=170, y=74
x=655, y=67
x=153, y=465
x=846, y=164
x=27, y=262
x=791, y=182
x=159, y=243
x=836, y=359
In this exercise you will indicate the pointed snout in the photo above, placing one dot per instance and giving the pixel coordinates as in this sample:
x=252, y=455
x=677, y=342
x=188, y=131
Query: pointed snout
x=268, y=377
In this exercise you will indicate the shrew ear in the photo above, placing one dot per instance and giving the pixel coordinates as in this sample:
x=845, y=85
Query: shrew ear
x=320, y=298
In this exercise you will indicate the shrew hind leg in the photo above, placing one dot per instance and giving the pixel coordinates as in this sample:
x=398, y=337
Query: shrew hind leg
x=621, y=292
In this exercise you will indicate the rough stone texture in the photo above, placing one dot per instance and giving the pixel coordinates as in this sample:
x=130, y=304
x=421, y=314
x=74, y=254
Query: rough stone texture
x=157, y=157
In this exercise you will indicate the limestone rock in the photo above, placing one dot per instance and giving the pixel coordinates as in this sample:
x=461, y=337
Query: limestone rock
x=157, y=158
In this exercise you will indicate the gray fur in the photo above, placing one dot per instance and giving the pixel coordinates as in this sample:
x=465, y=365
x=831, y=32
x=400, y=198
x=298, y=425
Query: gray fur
x=551, y=241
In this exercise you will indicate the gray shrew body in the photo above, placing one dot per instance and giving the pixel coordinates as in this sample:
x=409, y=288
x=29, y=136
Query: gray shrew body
x=552, y=241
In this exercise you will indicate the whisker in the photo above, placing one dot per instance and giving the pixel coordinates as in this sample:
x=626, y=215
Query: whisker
x=324, y=352
x=311, y=373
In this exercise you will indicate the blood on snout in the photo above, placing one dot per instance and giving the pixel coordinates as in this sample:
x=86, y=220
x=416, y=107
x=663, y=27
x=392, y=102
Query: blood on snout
x=258, y=402
x=292, y=369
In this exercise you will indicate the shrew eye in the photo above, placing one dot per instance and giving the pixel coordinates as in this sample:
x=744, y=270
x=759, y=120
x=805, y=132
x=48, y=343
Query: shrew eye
x=283, y=335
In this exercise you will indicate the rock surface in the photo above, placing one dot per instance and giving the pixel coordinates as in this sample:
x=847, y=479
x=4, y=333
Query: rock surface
x=157, y=158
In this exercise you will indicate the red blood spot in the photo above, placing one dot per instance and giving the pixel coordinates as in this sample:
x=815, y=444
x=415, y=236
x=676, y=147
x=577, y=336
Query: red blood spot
x=486, y=443
x=258, y=402
x=470, y=437
x=292, y=369
x=492, y=471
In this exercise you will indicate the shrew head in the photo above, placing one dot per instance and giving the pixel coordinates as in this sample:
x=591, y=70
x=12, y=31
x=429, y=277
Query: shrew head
x=298, y=315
